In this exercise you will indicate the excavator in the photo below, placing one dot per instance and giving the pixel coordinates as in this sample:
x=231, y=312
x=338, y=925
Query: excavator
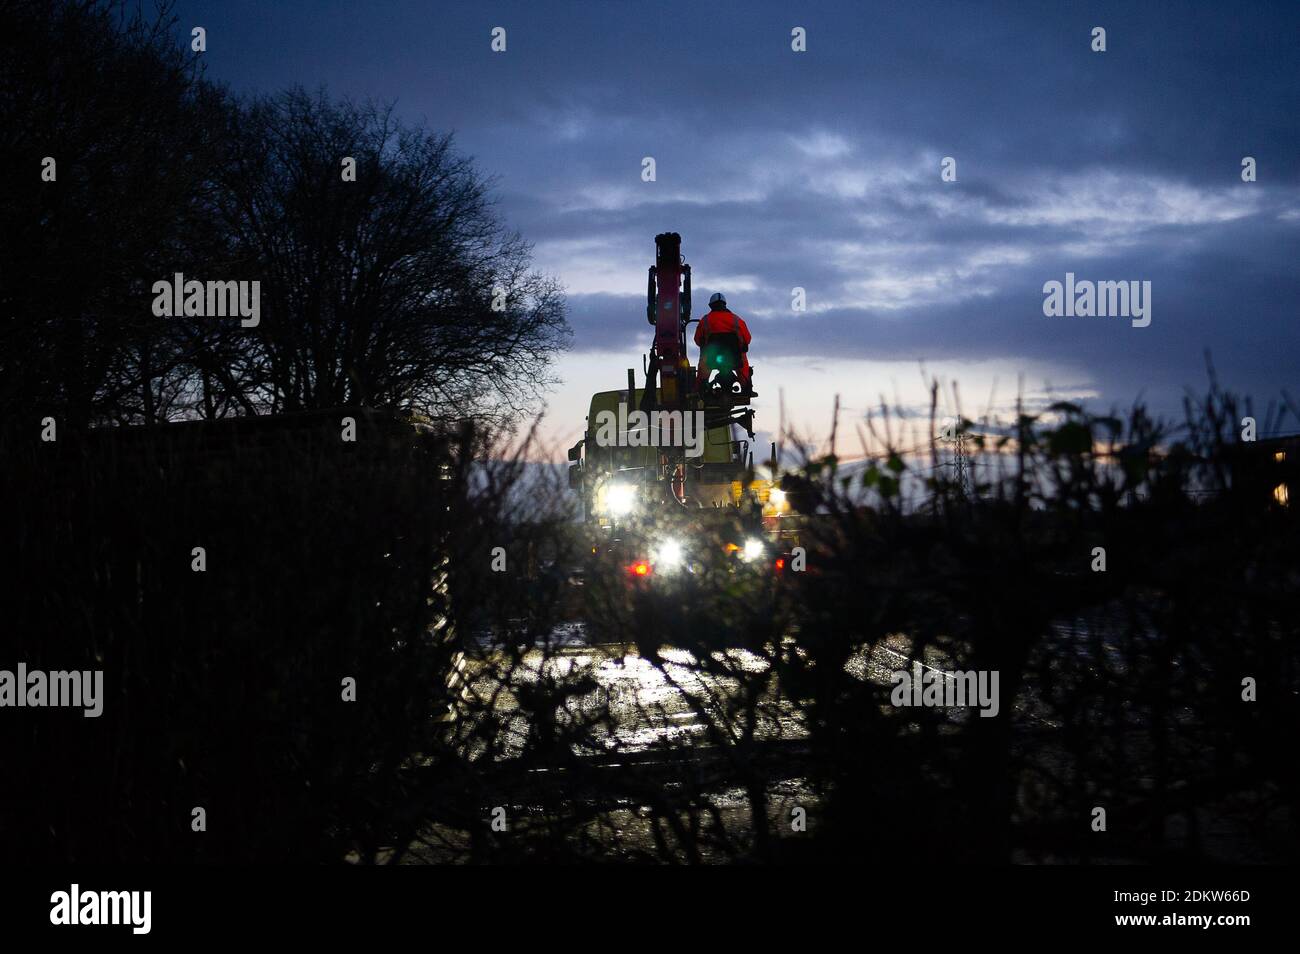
x=666, y=470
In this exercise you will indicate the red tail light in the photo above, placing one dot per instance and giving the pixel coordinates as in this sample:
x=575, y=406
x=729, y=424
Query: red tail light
x=780, y=564
x=640, y=568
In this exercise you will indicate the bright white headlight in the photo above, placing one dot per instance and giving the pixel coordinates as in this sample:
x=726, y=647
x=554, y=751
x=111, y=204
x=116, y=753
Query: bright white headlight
x=777, y=497
x=753, y=549
x=670, y=554
x=620, y=499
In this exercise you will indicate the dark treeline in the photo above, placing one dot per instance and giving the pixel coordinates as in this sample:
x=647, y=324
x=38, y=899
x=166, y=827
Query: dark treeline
x=400, y=289
x=710, y=712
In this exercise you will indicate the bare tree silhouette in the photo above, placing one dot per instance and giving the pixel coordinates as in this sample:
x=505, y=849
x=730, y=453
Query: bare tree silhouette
x=398, y=289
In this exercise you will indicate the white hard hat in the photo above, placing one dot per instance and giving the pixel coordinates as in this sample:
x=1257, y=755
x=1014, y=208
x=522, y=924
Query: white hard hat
x=717, y=299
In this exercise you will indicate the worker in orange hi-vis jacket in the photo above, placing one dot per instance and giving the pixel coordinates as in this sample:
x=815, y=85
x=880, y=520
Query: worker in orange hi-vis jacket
x=724, y=339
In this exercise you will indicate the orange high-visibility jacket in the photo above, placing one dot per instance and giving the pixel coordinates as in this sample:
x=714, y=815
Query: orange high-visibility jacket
x=721, y=321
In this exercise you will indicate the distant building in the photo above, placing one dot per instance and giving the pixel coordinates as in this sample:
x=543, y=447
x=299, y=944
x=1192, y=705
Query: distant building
x=1267, y=470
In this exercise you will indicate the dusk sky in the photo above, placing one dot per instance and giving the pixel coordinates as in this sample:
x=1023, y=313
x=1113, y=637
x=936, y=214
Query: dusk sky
x=821, y=170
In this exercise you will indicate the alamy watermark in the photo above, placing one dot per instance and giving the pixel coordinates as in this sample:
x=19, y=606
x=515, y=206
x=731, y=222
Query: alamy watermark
x=197, y=299
x=74, y=907
x=59, y=689
x=1088, y=299
x=934, y=688
x=651, y=429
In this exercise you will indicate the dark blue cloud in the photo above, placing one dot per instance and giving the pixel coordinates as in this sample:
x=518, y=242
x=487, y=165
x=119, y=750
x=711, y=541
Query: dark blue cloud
x=820, y=170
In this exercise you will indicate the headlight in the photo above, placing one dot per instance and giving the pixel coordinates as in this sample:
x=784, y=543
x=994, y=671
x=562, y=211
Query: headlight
x=753, y=550
x=777, y=497
x=670, y=554
x=620, y=499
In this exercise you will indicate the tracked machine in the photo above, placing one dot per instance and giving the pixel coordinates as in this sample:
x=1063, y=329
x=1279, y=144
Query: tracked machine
x=666, y=470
